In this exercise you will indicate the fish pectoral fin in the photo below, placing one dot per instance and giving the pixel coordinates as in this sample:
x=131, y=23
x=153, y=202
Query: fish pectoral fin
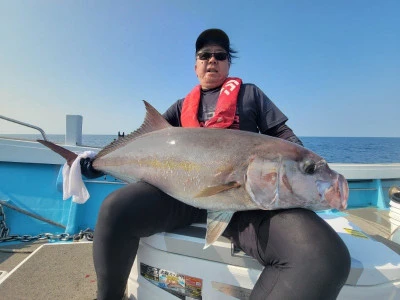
x=217, y=221
x=213, y=190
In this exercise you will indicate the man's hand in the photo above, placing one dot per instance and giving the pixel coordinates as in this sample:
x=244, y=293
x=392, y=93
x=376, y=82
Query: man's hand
x=87, y=169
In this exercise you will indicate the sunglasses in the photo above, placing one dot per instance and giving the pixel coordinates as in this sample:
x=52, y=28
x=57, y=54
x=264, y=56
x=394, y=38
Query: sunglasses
x=208, y=55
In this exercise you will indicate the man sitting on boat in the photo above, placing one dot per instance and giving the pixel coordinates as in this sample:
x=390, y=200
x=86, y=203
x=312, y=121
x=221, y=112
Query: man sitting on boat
x=304, y=257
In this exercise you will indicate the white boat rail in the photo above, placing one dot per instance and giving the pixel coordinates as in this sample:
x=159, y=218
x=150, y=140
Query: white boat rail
x=73, y=133
x=25, y=124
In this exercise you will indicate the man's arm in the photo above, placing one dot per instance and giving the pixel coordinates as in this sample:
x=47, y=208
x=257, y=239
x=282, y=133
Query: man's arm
x=284, y=132
x=271, y=120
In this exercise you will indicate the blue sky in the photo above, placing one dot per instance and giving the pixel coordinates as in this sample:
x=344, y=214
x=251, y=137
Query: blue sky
x=333, y=67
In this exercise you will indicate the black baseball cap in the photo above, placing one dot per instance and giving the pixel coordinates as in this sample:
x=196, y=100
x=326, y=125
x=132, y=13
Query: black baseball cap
x=213, y=36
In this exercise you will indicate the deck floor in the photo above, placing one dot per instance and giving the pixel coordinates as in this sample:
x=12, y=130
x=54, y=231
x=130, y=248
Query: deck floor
x=54, y=271
x=375, y=223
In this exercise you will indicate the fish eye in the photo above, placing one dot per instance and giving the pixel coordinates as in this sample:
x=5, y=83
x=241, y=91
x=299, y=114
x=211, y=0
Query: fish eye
x=309, y=167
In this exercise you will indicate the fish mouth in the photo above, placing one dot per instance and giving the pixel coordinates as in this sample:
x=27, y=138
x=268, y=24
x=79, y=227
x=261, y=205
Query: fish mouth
x=334, y=193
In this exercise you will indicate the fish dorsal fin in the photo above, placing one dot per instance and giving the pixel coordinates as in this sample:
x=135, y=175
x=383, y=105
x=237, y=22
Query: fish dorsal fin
x=217, y=221
x=152, y=122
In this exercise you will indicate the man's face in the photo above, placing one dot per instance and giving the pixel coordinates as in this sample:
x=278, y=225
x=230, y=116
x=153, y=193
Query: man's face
x=210, y=71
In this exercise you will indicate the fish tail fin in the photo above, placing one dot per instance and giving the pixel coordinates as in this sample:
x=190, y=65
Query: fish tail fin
x=67, y=154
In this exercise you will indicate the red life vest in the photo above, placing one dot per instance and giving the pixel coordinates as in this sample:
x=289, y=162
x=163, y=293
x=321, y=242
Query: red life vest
x=224, y=112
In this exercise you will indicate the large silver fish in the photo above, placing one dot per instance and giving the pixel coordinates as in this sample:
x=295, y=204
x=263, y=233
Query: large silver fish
x=220, y=170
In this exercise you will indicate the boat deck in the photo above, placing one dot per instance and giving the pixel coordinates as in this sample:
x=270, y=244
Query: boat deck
x=65, y=270
x=375, y=223
x=51, y=271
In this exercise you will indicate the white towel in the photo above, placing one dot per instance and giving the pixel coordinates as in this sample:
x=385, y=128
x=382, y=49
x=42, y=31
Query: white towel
x=72, y=180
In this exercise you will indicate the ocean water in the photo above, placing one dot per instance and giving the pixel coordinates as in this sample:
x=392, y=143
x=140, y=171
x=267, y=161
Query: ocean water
x=355, y=149
x=333, y=149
